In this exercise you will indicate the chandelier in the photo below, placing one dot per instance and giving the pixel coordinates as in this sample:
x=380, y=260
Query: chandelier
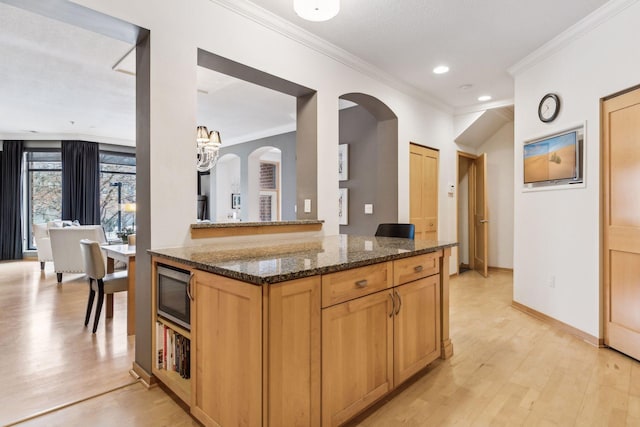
x=207, y=148
x=316, y=10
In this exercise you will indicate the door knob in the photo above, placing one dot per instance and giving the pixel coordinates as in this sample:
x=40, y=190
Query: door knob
x=482, y=221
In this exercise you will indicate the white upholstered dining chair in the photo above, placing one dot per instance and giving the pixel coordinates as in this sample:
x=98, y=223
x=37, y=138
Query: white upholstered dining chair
x=99, y=280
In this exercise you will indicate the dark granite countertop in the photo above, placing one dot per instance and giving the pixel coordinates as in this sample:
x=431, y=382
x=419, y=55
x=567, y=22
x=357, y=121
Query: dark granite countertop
x=280, y=260
x=208, y=224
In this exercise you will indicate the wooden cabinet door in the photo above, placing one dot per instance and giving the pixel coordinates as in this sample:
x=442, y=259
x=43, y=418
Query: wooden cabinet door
x=294, y=353
x=357, y=355
x=423, y=191
x=416, y=326
x=621, y=225
x=226, y=346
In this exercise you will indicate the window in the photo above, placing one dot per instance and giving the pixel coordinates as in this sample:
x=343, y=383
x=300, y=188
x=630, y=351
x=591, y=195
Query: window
x=269, y=192
x=117, y=192
x=44, y=189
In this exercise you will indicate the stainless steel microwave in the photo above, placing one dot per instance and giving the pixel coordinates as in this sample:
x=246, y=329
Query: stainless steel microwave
x=173, y=302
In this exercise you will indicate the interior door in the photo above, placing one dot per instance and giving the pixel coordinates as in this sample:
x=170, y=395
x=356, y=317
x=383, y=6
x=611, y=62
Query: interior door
x=621, y=243
x=423, y=191
x=481, y=217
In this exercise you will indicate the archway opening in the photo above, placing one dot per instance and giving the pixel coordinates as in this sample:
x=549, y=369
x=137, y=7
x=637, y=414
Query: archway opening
x=368, y=132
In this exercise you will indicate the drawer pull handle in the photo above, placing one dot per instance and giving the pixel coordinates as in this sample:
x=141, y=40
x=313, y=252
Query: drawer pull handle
x=399, y=302
x=362, y=283
x=393, y=304
x=417, y=268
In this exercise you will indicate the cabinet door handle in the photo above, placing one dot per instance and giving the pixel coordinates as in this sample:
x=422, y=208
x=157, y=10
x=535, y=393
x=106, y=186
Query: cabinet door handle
x=362, y=283
x=399, y=302
x=417, y=268
x=189, y=294
x=393, y=304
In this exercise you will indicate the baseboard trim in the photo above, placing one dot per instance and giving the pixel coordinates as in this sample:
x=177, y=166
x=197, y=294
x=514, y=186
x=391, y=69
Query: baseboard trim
x=590, y=339
x=510, y=270
x=140, y=373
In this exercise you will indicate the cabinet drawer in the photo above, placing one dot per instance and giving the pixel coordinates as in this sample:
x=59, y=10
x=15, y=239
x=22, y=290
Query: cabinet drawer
x=345, y=285
x=414, y=268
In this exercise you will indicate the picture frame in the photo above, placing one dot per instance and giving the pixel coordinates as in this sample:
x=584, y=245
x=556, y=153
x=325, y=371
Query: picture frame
x=343, y=206
x=343, y=162
x=235, y=201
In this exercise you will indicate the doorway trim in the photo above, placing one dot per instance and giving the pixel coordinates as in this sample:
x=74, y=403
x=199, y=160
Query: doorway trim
x=470, y=206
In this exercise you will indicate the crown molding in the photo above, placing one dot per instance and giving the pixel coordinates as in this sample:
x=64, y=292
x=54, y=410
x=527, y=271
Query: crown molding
x=484, y=107
x=584, y=26
x=275, y=23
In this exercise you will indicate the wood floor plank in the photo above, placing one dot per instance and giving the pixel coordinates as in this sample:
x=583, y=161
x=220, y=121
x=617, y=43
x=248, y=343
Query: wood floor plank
x=509, y=369
x=49, y=358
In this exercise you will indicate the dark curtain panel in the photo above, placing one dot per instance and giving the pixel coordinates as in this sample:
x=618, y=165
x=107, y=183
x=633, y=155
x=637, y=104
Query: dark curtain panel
x=11, y=200
x=81, y=182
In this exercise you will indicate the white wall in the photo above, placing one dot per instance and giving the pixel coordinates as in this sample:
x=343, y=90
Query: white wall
x=499, y=149
x=177, y=30
x=227, y=182
x=557, y=232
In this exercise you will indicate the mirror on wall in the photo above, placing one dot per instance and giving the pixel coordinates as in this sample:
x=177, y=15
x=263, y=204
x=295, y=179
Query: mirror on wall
x=255, y=175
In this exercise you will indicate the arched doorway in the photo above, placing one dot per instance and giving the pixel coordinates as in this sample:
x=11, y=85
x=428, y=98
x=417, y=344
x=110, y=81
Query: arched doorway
x=369, y=129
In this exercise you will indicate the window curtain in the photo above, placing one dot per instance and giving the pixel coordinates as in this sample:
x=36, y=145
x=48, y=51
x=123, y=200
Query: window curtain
x=81, y=182
x=11, y=200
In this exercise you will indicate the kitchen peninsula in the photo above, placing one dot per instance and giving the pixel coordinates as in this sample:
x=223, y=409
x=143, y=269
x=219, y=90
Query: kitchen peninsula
x=307, y=331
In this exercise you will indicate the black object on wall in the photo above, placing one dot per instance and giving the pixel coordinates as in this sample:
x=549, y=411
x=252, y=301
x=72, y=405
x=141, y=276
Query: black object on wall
x=11, y=200
x=81, y=182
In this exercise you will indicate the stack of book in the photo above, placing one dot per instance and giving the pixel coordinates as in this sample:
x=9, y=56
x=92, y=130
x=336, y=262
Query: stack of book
x=173, y=351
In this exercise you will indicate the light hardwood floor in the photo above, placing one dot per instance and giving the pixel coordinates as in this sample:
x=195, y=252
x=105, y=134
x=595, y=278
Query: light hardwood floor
x=508, y=369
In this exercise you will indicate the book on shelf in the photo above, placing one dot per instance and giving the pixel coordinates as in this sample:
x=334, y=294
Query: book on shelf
x=173, y=351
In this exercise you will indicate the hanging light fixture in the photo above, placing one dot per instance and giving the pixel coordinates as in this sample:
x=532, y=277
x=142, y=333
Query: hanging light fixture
x=207, y=148
x=316, y=10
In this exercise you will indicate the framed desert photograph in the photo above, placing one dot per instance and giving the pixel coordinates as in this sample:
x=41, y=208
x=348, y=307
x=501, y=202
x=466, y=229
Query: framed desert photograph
x=554, y=159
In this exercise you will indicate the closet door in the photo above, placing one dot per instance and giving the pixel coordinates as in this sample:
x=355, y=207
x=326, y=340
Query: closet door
x=621, y=197
x=423, y=191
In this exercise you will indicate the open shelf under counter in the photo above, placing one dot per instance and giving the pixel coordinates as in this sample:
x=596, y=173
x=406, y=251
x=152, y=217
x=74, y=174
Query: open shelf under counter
x=179, y=329
x=172, y=379
x=180, y=386
x=203, y=230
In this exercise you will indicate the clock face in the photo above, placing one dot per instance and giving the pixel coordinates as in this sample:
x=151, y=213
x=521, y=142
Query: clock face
x=549, y=107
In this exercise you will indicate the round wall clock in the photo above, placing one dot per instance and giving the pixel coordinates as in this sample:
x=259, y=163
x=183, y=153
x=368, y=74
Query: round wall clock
x=549, y=107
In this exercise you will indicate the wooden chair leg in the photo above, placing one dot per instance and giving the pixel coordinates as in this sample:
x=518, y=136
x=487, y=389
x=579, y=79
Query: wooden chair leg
x=98, y=305
x=109, y=313
x=92, y=295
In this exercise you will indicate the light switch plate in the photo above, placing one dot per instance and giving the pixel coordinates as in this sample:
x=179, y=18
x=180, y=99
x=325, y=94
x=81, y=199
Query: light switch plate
x=368, y=209
x=307, y=205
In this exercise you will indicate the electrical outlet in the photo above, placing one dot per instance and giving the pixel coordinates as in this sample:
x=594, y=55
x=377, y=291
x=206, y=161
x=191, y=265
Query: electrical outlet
x=307, y=205
x=368, y=209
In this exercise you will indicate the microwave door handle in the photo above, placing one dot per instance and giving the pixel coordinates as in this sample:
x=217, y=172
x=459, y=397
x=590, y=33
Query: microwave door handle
x=191, y=275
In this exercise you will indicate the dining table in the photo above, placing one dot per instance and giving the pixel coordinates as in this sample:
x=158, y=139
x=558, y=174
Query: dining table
x=126, y=254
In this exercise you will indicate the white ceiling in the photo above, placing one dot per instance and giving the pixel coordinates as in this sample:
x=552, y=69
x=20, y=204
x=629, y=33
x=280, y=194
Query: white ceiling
x=478, y=40
x=57, y=81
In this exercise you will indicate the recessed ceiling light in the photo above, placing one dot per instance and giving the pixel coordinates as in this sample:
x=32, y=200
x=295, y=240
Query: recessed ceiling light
x=465, y=86
x=441, y=69
x=484, y=98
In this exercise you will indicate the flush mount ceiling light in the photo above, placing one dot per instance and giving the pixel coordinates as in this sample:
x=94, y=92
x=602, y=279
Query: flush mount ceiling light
x=484, y=98
x=441, y=69
x=316, y=10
